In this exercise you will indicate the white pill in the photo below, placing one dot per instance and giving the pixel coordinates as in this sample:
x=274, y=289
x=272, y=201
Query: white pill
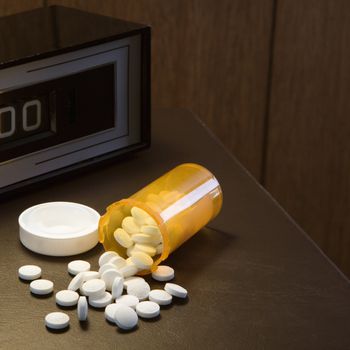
x=117, y=287
x=163, y=273
x=110, y=311
x=108, y=276
x=152, y=230
x=125, y=317
x=106, y=256
x=29, y=272
x=133, y=279
x=128, y=270
x=76, y=266
x=141, y=260
x=77, y=281
x=106, y=267
x=130, y=226
x=129, y=251
x=144, y=248
x=118, y=262
x=57, y=320
x=160, y=296
x=175, y=290
x=94, y=288
x=90, y=275
x=128, y=300
x=101, y=301
x=82, y=309
x=142, y=217
x=67, y=298
x=143, y=238
x=41, y=287
x=123, y=238
x=139, y=290
x=147, y=309
x=159, y=249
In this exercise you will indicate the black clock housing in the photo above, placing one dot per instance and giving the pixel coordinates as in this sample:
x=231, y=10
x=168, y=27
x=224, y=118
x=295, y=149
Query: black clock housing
x=74, y=91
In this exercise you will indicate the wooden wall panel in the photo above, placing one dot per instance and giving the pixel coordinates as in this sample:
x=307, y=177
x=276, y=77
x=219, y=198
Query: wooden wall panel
x=8, y=7
x=210, y=57
x=308, y=151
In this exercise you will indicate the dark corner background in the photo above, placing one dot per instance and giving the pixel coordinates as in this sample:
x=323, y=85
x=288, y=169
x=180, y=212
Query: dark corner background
x=271, y=79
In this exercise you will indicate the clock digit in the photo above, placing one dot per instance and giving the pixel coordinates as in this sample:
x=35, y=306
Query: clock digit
x=26, y=106
x=3, y=111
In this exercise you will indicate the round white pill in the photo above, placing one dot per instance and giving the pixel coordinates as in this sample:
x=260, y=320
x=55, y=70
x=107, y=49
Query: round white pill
x=125, y=317
x=76, y=266
x=106, y=256
x=139, y=290
x=77, y=281
x=123, y=238
x=130, y=226
x=94, y=288
x=57, y=320
x=108, y=276
x=67, y=298
x=118, y=262
x=142, y=217
x=141, y=260
x=147, y=309
x=117, y=287
x=110, y=311
x=133, y=279
x=41, y=287
x=128, y=270
x=175, y=290
x=90, y=275
x=29, y=272
x=128, y=300
x=163, y=273
x=106, y=267
x=101, y=301
x=82, y=309
x=160, y=296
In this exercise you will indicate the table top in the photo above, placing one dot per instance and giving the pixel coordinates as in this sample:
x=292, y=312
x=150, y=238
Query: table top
x=255, y=280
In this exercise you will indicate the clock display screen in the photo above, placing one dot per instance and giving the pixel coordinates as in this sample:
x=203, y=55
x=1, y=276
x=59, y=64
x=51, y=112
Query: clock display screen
x=46, y=114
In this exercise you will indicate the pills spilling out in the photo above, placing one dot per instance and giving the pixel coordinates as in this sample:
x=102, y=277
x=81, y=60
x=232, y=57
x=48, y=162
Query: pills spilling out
x=114, y=287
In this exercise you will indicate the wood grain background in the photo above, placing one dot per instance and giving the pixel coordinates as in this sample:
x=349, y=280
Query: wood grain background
x=270, y=78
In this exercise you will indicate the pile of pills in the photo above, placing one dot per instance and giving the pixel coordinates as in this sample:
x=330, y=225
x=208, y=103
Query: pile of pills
x=124, y=297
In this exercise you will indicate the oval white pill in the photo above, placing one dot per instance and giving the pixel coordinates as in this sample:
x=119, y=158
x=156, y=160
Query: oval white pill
x=117, y=287
x=139, y=290
x=141, y=260
x=128, y=270
x=76, y=266
x=159, y=249
x=118, y=262
x=175, y=290
x=128, y=300
x=147, y=309
x=41, y=287
x=106, y=256
x=94, y=287
x=163, y=273
x=123, y=238
x=144, y=248
x=67, y=298
x=130, y=226
x=125, y=317
x=141, y=217
x=110, y=311
x=82, y=309
x=90, y=275
x=160, y=296
x=57, y=320
x=108, y=276
x=133, y=279
x=29, y=272
x=152, y=230
x=77, y=281
x=106, y=267
x=101, y=301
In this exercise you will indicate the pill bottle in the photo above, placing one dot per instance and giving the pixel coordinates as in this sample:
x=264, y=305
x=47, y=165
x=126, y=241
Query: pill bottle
x=181, y=202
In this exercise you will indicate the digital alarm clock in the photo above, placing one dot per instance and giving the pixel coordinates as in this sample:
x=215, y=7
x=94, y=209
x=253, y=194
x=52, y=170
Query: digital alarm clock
x=74, y=91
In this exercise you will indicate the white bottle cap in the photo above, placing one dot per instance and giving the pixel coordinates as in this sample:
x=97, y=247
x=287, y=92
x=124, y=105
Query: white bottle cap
x=59, y=228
